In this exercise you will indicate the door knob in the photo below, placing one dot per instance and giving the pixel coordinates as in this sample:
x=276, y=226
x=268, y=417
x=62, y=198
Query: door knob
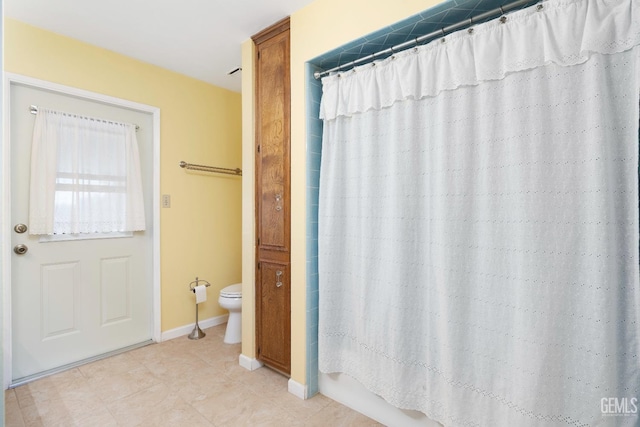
x=20, y=228
x=20, y=249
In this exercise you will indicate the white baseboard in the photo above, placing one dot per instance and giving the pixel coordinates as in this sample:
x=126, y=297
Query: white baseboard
x=248, y=363
x=186, y=329
x=297, y=389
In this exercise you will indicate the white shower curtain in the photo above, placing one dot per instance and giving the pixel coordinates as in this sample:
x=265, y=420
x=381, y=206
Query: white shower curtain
x=85, y=176
x=478, y=221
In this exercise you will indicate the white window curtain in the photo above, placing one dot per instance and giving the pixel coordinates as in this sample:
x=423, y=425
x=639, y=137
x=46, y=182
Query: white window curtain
x=85, y=176
x=478, y=221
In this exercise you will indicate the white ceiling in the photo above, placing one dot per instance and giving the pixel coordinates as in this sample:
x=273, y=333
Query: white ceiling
x=199, y=38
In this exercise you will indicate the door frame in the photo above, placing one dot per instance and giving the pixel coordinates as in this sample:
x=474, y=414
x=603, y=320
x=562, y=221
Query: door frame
x=5, y=195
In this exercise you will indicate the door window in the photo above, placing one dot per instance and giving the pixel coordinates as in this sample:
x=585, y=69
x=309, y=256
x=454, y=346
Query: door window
x=85, y=178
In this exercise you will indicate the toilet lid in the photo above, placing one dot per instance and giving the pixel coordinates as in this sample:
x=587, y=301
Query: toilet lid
x=232, y=291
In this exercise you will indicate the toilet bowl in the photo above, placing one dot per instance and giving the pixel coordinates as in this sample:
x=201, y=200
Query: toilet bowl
x=231, y=299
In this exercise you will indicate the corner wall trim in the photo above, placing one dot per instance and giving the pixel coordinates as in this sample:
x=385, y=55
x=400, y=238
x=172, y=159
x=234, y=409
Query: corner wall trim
x=297, y=389
x=248, y=363
x=186, y=329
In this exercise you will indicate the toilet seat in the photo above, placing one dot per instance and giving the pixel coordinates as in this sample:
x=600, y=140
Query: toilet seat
x=232, y=291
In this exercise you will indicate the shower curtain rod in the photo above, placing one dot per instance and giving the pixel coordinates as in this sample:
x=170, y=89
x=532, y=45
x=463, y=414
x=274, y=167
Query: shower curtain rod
x=501, y=10
x=33, y=109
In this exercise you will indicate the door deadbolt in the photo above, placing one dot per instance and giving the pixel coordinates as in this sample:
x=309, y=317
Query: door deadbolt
x=20, y=249
x=20, y=228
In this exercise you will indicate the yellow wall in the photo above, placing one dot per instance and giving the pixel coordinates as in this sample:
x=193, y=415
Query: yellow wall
x=200, y=234
x=316, y=29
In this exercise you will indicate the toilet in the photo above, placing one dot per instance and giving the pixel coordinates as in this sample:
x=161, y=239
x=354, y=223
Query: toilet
x=231, y=299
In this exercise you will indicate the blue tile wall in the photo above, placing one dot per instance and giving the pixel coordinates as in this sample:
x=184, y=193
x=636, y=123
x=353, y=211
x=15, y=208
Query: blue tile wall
x=314, y=149
x=443, y=14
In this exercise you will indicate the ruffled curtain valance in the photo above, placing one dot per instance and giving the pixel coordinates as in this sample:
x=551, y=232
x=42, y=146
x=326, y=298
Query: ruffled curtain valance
x=528, y=39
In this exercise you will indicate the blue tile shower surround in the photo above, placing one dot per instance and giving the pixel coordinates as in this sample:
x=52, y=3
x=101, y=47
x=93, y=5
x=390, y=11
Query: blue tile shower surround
x=439, y=16
x=314, y=147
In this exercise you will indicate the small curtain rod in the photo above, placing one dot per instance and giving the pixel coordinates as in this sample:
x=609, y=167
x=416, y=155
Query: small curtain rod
x=215, y=169
x=432, y=35
x=34, y=110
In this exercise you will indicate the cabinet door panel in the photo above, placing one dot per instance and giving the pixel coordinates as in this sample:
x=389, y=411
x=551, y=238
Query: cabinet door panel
x=274, y=314
x=273, y=140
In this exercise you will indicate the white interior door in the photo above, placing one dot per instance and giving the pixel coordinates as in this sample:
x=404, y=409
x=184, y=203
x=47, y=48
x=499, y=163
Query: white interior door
x=73, y=300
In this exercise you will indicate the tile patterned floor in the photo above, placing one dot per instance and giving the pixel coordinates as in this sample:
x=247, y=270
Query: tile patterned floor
x=175, y=383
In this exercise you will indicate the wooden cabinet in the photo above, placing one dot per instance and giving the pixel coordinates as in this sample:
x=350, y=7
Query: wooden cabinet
x=273, y=201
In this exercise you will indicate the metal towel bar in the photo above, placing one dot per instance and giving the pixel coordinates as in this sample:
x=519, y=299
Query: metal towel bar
x=215, y=169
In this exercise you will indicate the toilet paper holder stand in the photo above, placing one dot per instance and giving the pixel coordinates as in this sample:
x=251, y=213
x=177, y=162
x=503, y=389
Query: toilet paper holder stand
x=197, y=333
